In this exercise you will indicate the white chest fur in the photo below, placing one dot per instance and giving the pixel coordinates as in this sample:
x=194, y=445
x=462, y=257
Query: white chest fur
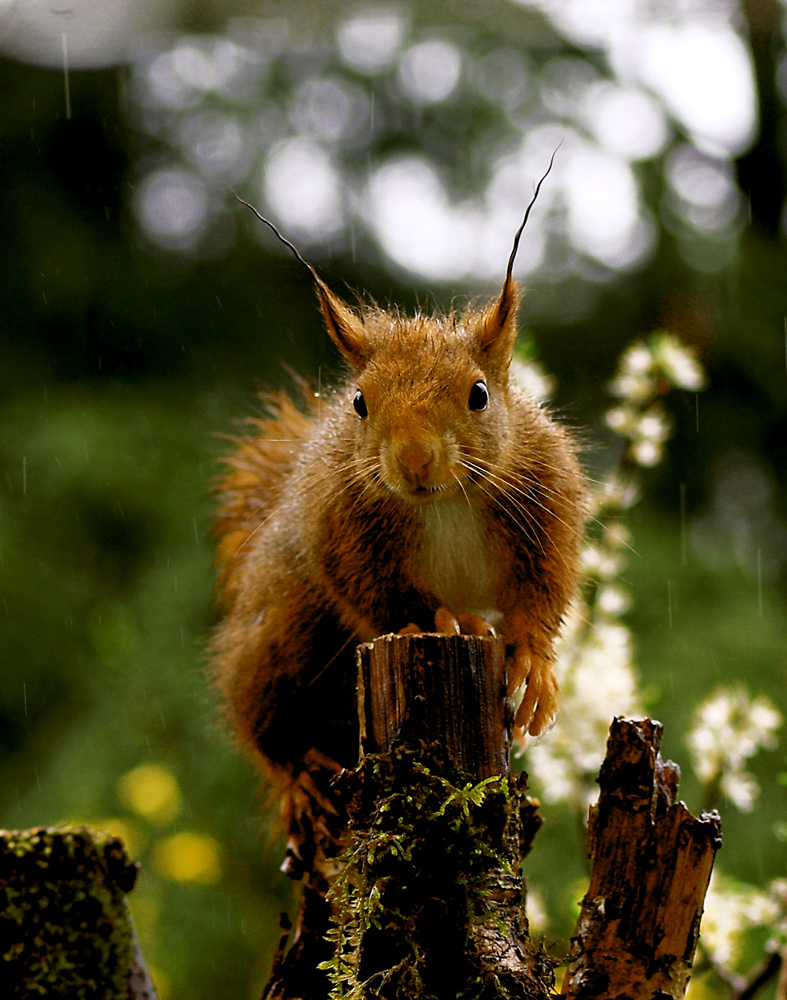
x=455, y=559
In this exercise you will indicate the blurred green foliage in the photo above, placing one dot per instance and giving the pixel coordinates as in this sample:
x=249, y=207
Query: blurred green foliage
x=122, y=365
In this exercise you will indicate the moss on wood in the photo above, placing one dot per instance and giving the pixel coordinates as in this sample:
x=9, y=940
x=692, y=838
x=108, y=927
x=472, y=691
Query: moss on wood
x=64, y=925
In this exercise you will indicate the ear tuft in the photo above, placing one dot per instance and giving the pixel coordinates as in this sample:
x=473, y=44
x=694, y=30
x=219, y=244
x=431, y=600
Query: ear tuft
x=344, y=327
x=498, y=325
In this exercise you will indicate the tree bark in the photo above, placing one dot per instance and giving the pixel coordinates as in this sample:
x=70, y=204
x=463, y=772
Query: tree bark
x=760, y=169
x=451, y=690
x=427, y=897
x=436, y=723
x=651, y=864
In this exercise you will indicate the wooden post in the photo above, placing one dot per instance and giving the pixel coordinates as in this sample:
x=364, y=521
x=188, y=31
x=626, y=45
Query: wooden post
x=432, y=900
x=416, y=689
x=651, y=864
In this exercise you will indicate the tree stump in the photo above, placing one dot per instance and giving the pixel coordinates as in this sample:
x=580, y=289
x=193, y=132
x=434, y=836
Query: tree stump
x=65, y=929
x=651, y=864
x=426, y=899
x=431, y=903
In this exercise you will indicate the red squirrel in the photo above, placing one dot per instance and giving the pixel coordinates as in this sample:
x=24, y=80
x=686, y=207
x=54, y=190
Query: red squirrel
x=428, y=492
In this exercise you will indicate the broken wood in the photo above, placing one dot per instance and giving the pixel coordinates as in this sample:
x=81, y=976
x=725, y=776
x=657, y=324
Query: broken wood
x=651, y=864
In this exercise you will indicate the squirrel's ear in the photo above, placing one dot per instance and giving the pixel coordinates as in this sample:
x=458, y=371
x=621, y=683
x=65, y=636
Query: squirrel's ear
x=344, y=327
x=498, y=328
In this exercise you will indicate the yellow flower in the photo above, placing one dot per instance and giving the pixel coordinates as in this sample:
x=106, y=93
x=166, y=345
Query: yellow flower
x=152, y=791
x=188, y=857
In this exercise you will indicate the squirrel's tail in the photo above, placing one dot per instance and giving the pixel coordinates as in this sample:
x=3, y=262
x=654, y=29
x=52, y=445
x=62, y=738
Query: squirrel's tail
x=256, y=470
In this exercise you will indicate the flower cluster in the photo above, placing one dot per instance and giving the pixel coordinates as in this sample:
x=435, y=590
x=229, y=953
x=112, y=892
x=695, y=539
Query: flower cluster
x=596, y=671
x=594, y=664
x=646, y=371
x=732, y=909
x=728, y=729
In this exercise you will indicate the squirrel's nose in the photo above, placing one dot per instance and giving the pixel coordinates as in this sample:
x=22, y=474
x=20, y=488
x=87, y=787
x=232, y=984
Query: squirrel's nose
x=415, y=459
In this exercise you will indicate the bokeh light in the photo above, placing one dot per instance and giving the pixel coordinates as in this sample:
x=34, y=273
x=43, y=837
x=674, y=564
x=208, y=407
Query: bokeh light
x=172, y=206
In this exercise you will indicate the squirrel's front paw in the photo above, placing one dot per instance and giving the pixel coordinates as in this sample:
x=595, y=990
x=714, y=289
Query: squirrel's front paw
x=447, y=623
x=538, y=707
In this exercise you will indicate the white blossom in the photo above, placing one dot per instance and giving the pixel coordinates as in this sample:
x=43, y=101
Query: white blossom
x=621, y=419
x=601, y=562
x=613, y=600
x=678, y=363
x=647, y=453
x=741, y=788
x=618, y=494
x=731, y=909
x=531, y=377
x=632, y=386
x=729, y=728
x=597, y=680
x=634, y=379
x=653, y=425
x=646, y=371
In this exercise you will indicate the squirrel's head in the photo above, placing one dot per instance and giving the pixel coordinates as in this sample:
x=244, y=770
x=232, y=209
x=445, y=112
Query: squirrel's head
x=429, y=397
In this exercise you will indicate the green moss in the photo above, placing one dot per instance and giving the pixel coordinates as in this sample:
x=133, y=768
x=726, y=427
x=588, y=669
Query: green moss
x=420, y=878
x=64, y=927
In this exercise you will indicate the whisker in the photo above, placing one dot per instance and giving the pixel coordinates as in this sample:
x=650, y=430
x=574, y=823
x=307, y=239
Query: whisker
x=528, y=491
x=527, y=529
x=532, y=481
x=506, y=488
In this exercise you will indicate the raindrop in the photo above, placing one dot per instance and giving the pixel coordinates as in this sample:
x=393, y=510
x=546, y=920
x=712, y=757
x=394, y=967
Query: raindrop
x=669, y=602
x=683, y=539
x=759, y=582
x=64, y=39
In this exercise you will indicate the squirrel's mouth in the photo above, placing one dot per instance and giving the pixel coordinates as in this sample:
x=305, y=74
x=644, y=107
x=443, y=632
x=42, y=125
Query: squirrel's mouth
x=425, y=494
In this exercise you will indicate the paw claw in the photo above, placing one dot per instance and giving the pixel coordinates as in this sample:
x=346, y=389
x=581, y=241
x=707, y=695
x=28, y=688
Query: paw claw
x=445, y=623
x=450, y=624
x=476, y=625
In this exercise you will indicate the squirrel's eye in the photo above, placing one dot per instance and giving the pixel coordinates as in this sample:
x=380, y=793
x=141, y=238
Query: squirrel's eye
x=479, y=396
x=359, y=403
